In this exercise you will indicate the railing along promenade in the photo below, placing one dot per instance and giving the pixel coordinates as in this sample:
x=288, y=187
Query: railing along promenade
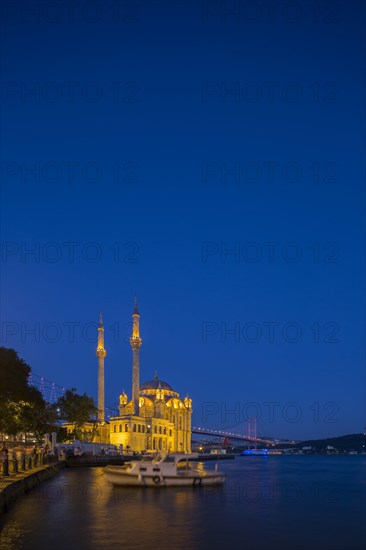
x=22, y=462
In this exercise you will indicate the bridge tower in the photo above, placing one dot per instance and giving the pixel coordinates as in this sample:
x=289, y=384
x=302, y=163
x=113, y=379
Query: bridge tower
x=252, y=429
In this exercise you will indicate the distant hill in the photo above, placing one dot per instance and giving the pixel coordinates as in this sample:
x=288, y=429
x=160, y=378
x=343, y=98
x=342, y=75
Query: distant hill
x=350, y=442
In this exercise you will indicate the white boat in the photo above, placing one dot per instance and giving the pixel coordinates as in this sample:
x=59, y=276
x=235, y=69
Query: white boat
x=162, y=471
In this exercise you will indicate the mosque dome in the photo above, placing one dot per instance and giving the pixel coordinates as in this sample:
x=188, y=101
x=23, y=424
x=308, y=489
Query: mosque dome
x=151, y=386
x=156, y=384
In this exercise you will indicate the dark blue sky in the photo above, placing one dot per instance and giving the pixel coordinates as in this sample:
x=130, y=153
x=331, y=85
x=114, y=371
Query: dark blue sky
x=277, y=95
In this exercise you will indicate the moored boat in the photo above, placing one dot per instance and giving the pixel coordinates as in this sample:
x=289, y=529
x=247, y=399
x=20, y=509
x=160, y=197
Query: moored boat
x=255, y=452
x=165, y=470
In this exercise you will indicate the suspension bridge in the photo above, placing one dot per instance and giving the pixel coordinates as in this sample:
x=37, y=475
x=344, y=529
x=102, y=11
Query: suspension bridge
x=250, y=436
x=235, y=436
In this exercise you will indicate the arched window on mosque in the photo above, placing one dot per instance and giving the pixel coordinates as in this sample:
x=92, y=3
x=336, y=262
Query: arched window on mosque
x=115, y=428
x=159, y=429
x=126, y=428
x=134, y=427
x=139, y=428
x=164, y=431
x=180, y=424
x=120, y=427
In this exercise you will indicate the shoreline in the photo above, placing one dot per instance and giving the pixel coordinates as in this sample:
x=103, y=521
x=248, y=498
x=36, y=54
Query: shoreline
x=12, y=488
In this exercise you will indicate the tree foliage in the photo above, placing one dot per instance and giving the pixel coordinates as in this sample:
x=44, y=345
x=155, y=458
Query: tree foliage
x=77, y=410
x=22, y=407
x=14, y=378
x=39, y=419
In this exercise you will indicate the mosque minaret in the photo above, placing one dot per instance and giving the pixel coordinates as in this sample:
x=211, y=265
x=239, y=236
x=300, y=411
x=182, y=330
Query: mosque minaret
x=136, y=343
x=101, y=353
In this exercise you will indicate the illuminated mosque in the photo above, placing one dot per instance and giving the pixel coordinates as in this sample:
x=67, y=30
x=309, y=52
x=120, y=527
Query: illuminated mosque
x=155, y=418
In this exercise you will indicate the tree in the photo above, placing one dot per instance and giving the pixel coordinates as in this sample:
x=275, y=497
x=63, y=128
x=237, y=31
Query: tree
x=14, y=378
x=77, y=410
x=18, y=400
x=38, y=419
x=10, y=417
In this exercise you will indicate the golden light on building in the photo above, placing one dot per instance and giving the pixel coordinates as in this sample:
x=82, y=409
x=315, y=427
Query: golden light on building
x=155, y=418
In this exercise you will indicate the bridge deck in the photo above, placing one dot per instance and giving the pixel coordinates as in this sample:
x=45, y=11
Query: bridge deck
x=236, y=436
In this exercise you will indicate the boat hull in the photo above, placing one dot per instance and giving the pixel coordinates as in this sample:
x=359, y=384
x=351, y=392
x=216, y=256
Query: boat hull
x=125, y=479
x=259, y=452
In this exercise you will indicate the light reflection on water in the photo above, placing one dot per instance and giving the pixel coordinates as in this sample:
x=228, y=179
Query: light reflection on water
x=272, y=503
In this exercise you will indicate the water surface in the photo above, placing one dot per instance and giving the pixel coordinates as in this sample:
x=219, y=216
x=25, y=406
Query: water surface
x=269, y=503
